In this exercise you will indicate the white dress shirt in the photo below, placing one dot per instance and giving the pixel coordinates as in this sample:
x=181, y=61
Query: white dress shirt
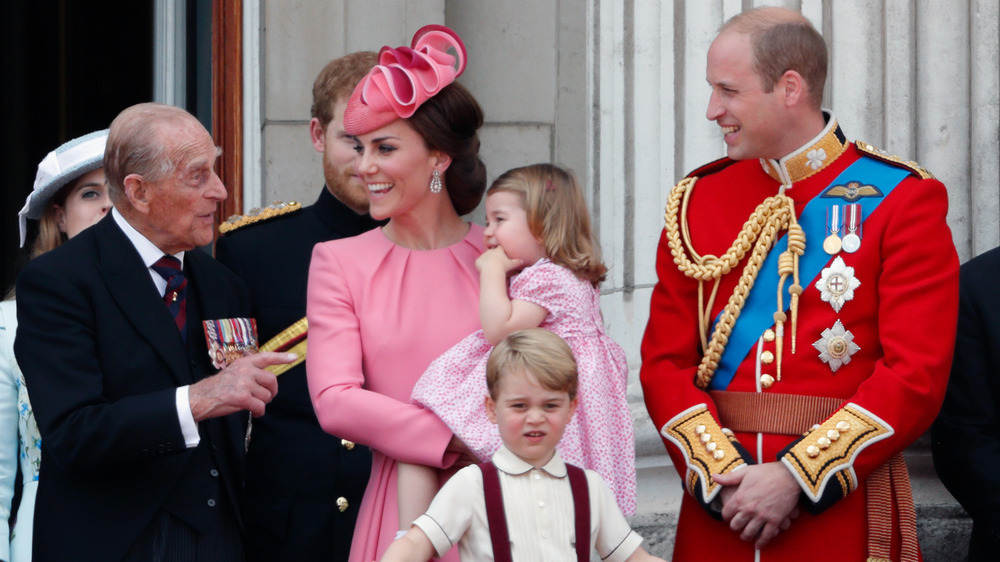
x=150, y=254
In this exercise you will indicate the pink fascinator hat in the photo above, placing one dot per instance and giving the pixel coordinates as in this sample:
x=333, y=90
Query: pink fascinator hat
x=405, y=78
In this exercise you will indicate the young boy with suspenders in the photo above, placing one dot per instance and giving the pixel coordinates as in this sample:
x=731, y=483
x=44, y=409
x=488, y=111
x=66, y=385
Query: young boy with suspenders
x=526, y=504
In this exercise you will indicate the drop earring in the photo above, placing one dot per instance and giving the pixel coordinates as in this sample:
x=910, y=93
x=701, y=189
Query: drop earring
x=436, y=182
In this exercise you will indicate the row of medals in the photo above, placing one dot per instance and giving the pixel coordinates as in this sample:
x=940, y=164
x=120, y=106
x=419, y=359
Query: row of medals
x=839, y=219
x=843, y=229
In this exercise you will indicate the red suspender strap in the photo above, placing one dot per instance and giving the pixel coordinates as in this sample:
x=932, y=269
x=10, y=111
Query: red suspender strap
x=495, y=515
x=497, y=519
x=581, y=509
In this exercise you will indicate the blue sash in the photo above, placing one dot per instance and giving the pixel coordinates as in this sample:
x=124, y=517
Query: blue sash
x=758, y=311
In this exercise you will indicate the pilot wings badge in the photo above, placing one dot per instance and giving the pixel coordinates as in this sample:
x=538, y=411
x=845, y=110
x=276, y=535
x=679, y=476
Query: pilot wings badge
x=852, y=191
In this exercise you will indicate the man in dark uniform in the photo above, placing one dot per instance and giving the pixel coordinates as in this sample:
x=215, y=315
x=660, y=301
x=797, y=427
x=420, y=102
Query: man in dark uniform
x=965, y=438
x=303, y=486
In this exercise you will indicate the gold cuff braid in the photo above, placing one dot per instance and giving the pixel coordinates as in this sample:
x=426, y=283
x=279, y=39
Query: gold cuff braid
x=828, y=451
x=707, y=448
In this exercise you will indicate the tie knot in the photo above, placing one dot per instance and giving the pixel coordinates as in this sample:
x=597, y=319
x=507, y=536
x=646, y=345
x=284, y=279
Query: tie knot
x=167, y=267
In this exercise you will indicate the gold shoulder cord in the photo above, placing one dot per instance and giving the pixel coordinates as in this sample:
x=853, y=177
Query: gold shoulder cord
x=775, y=214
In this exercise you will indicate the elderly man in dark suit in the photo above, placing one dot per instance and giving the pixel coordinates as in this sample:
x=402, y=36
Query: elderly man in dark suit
x=143, y=439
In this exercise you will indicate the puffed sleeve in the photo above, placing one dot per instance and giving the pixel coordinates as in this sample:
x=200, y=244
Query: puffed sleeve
x=335, y=371
x=613, y=538
x=543, y=284
x=452, y=511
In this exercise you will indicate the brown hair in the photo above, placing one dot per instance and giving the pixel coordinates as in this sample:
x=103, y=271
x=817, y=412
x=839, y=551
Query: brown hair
x=783, y=40
x=538, y=351
x=449, y=121
x=336, y=82
x=49, y=236
x=134, y=145
x=557, y=216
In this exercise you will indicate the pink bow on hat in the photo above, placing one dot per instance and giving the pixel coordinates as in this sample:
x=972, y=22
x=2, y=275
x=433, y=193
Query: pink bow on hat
x=405, y=78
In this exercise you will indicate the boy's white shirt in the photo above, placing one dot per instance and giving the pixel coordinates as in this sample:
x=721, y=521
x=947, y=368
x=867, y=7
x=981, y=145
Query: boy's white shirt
x=539, y=510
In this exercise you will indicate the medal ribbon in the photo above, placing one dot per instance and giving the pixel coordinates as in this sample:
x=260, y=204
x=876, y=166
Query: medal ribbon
x=758, y=312
x=853, y=218
x=833, y=220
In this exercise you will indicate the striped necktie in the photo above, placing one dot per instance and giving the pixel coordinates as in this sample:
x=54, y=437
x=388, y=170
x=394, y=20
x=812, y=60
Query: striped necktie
x=175, y=296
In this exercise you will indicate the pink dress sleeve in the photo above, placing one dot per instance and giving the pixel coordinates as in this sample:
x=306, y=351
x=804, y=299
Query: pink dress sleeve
x=336, y=375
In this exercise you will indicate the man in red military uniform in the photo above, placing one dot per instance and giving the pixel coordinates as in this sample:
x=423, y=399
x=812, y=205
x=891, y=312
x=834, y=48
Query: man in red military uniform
x=801, y=330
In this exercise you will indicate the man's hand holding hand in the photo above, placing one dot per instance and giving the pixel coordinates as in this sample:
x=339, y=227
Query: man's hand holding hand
x=759, y=501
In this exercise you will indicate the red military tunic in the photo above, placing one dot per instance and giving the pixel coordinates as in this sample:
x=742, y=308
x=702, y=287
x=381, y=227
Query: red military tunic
x=902, y=317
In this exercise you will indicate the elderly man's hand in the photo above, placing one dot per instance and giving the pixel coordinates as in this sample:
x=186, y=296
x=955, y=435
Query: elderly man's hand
x=243, y=385
x=759, y=501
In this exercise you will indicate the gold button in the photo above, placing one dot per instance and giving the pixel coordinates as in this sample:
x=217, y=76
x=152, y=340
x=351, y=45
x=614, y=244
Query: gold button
x=347, y=445
x=823, y=442
x=833, y=434
x=718, y=454
x=769, y=335
x=767, y=358
x=843, y=426
x=342, y=504
x=766, y=381
x=812, y=451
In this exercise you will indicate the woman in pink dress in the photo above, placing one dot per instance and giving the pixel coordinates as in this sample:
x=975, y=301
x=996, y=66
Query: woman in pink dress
x=383, y=305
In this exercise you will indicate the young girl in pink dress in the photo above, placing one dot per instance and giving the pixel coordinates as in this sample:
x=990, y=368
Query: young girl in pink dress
x=537, y=227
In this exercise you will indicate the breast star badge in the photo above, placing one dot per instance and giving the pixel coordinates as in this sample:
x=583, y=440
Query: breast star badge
x=836, y=346
x=836, y=284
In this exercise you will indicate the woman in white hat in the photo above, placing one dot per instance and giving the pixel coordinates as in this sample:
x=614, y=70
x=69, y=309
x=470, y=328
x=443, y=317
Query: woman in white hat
x=70, y=195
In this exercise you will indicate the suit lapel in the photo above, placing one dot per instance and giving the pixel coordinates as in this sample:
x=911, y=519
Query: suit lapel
x=209, y=298
x=129, y=283
x=214, y=298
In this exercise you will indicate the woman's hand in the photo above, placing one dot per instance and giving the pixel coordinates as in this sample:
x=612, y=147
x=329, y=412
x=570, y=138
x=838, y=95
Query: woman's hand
x=497, y=259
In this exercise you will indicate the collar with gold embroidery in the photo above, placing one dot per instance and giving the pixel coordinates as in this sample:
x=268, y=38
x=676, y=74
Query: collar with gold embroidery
x=815, y=155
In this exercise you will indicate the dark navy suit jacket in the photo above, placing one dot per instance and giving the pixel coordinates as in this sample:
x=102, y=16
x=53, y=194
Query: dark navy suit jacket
x=965, y=438
x=102, y=359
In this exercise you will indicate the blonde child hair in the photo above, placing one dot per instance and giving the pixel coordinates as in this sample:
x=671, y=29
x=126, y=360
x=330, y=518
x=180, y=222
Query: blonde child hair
x=557, y=216
x=538, y=351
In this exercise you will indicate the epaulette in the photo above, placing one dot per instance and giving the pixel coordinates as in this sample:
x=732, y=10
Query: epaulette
x=882, y=155
x=257, y=215
x=711, y=167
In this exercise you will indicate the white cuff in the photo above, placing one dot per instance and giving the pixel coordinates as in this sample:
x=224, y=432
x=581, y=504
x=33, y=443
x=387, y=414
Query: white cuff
x=189, y=428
